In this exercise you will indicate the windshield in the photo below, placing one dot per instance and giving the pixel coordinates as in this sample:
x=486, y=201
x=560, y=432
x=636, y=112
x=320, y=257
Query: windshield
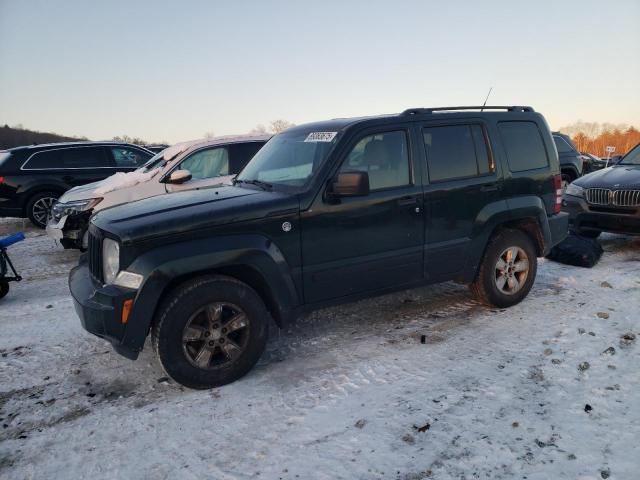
x=154, y=162
x=631, y=158
x=289, y=159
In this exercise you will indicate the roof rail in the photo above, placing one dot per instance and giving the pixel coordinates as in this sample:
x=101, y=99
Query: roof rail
x=513, y=108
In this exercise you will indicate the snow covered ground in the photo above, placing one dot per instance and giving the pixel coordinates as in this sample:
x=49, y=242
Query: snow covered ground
x=549, y=389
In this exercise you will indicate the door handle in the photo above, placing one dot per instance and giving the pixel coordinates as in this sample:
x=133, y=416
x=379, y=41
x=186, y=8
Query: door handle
x=407, y=201
x=491, y=187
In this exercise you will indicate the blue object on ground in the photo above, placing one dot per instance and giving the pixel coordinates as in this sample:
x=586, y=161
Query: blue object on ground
x=11, y=239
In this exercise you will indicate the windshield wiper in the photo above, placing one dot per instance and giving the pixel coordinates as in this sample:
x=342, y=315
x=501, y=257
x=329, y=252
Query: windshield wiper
x=258, y=183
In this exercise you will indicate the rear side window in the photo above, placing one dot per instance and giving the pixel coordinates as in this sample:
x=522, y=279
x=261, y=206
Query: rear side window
x=84, y=157
x=562, y=145
x=524, y=146
x=456, y=151
x=241, y=153
x=50, y=159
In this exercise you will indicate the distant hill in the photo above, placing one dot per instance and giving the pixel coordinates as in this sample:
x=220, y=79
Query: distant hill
x=17, y=137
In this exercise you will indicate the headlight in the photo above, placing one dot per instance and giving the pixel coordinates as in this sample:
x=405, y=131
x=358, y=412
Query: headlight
x=67, y=208
x=574, y=190
x=110, y=259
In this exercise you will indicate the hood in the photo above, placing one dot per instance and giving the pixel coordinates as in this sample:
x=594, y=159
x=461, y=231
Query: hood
x=83, y=192
x=187, y=211
x=116, y=181
x=618, y=177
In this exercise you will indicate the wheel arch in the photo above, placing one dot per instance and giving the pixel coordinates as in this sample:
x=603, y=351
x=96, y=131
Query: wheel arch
x=570, y=171
x=35, y=190
x=526, y=214
x=252, y=259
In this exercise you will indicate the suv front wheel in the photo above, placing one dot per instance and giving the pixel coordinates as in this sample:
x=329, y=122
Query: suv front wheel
x=210, y=331
x=508, y=269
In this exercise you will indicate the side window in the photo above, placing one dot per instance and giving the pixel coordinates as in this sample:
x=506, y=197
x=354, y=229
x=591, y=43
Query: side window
x=50, y=159
x=456, y=151
x=84, y=157
x=562, y=145
x=523, y=144
x=209, y=163
x=241, y=153
x=384, y=157
x=128, y=157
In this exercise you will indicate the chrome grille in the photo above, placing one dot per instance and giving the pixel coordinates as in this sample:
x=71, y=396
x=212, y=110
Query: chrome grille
x=618, y=198
x=626, y=198
x=95, y=257
x=598, y=196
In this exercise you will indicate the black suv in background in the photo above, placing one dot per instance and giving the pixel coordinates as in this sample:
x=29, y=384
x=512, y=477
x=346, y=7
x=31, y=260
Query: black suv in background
x=325, y=213
x=32, y=178
x=606, y=200
x=571, y=161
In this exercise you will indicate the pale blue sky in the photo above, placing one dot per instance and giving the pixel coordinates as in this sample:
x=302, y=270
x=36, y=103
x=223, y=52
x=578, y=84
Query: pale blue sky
x=173, y=70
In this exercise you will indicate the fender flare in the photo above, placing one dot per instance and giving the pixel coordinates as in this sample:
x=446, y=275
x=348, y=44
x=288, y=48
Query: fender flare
x=505, y=212
x=166, y=266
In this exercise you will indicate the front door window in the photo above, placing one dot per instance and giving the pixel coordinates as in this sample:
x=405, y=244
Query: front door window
x=208, y=163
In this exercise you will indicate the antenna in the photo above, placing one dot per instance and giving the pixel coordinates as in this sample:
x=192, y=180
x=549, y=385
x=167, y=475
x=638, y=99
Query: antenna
x=485, y=100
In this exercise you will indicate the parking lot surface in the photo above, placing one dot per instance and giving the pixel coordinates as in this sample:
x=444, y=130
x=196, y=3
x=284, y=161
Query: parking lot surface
x=419, y=384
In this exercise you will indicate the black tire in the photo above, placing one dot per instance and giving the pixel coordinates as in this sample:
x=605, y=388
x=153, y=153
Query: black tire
x=35, y=205
x=566, y=180
x=180, y=309
x=4, y=289
x=589, y=233
x=485, y=287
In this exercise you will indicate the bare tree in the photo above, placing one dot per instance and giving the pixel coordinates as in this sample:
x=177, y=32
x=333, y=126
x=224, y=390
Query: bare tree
x=275, y=126
x=259, y=130
x=209, y=135
x=128, y=139
x=280, y=125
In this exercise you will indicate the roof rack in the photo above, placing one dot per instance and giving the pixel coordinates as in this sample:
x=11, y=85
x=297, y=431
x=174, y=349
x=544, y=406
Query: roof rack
x=513, y=108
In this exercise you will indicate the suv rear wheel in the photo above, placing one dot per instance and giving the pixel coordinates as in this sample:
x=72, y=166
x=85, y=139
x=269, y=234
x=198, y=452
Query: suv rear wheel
x=508, y=269
x=210, y=331
x=39, y=206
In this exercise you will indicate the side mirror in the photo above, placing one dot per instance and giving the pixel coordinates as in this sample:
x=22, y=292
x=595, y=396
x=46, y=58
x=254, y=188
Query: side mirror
x=179, y=176
x=350, y=184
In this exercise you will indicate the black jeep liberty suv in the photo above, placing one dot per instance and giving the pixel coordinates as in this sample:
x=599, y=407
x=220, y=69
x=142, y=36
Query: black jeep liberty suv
x=325, y=213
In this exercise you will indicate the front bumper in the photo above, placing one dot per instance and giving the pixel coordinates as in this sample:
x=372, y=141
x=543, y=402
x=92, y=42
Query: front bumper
x=605, y=219
x=55, y=229
x=100, y=308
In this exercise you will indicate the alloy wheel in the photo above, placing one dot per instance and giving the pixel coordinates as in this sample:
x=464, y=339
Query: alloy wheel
x=215, y=336
x=41, y=209
x=512, y=270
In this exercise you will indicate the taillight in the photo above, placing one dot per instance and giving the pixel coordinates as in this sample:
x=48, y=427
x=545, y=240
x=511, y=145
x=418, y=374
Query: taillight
x=557, y=183
x=1, y=180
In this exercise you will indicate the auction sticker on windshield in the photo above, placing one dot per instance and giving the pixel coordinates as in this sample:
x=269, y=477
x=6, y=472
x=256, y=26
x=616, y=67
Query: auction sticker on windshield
x=321, y=136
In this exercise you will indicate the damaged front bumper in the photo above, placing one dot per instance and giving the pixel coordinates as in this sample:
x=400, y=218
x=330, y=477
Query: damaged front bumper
x=70, y=230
